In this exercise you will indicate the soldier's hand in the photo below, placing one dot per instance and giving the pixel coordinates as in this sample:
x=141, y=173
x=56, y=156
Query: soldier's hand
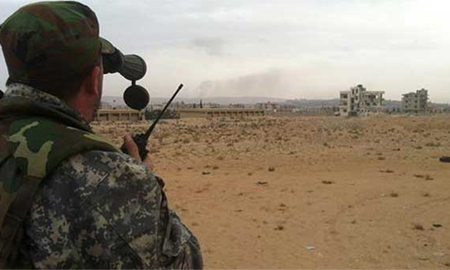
x=133, y=151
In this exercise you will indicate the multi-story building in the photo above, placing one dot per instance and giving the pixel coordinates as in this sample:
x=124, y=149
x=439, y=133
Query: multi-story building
x=358, y=100
x=415, y=102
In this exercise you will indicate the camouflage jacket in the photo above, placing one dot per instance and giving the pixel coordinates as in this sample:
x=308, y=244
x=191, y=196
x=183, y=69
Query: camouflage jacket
x=97, y=209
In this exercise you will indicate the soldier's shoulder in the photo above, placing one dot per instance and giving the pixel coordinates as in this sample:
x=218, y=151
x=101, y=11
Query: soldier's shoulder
x=93, y=169
x=103, y=163
x=99, y=160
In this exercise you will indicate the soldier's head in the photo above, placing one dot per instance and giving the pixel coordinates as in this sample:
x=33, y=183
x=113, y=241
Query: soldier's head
x=55, y=47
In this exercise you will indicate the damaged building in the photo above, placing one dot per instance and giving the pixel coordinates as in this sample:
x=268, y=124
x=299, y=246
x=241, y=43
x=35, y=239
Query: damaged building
x=359, y=101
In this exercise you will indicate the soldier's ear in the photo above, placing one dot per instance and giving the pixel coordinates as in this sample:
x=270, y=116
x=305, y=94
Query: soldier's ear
x=92, y=81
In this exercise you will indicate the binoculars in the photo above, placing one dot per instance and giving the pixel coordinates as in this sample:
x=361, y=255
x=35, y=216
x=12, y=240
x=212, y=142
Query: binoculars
x=132, y=68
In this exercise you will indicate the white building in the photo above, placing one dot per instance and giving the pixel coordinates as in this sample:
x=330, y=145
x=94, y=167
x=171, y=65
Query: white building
x=358, y=100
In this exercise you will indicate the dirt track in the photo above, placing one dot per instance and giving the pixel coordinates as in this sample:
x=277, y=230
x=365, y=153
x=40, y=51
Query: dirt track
x=309, y=192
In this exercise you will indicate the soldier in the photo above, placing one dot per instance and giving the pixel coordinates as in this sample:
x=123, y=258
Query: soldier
x=68, y=197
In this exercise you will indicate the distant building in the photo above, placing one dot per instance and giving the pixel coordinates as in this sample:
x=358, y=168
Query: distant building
x=276, y=108
x=219, y=112
x=358, y=100
x=118, y=115
x=236, y=106
x=415, y=102
x=105, y=105
x=268, y=106
x=211, y=105
x=156, y=107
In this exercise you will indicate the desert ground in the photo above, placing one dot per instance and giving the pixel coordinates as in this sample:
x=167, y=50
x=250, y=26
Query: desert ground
x=308, y=192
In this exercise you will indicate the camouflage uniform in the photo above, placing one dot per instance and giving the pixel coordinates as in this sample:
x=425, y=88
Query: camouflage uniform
x=101, y=209
x=92, y=206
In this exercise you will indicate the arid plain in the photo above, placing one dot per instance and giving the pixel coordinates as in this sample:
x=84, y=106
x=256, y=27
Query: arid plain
x=308, y=192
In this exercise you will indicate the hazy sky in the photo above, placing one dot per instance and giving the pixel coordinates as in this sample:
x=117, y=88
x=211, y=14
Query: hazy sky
x=278, y=48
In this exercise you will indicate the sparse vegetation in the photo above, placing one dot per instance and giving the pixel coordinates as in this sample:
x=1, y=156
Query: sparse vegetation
x=326, y=182
x=394, y=194
x=418, y=227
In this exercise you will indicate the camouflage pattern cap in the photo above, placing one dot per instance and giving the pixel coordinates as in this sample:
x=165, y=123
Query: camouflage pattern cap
x=45, y=41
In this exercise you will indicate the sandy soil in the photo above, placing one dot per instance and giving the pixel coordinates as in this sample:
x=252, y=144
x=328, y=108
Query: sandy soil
x=309, y=192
